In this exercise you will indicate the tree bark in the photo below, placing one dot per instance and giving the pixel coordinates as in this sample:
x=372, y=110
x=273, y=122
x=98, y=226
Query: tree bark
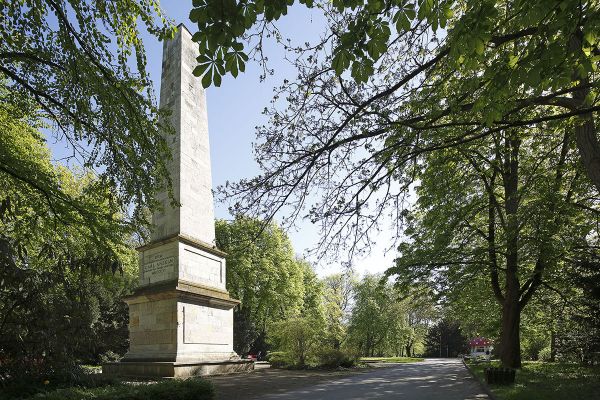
x=585, y=130
x=510, y=346
x=587, y=142
x=510, y=341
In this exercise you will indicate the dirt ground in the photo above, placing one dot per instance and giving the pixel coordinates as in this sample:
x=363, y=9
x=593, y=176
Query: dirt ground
x=255, y=385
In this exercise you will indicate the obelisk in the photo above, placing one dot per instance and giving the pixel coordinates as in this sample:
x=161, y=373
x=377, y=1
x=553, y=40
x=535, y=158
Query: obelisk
x=181, y=315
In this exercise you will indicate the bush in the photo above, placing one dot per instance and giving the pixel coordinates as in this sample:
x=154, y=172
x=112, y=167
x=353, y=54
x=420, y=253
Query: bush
x=278, y=359
x=24, y=387
x=545, y=354
x=191, y=389
x=299, y=338
x=110, y=357
x=332, y=358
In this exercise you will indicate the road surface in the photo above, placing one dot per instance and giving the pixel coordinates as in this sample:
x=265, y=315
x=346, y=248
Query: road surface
x=433, y=379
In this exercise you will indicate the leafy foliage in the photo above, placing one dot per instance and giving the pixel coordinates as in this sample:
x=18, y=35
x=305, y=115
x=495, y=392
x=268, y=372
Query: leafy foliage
x=59, y=300
x=298, y=338
x=264, y=274
x=189, y=389
x=383, y=323
x=510, y=213
x=69, y=63
x=445, y=339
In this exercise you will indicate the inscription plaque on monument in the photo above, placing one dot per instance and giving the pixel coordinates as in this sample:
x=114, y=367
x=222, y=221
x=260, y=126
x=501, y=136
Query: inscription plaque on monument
x=160, y=266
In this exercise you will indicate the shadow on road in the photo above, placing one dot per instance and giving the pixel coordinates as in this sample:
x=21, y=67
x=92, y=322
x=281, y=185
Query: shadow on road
x=444, y=379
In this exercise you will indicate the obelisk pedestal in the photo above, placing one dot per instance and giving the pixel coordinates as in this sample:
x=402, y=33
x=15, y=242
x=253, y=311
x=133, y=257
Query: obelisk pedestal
x=181, y=315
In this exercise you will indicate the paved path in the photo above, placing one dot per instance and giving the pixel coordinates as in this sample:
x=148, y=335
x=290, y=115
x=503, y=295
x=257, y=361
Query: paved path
x=432, y=379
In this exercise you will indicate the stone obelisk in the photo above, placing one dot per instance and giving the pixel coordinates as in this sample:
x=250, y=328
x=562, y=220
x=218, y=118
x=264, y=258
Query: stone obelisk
x=181, y=315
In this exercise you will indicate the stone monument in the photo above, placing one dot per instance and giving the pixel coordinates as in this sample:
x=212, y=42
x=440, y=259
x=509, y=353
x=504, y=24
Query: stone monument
x=181, y=315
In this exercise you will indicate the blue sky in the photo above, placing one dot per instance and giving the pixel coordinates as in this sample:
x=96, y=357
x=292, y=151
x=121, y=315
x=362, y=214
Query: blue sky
x=235, y=109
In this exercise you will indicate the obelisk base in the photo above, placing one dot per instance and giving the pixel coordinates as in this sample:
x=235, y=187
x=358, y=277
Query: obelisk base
x=149, y=369
x=178, y=329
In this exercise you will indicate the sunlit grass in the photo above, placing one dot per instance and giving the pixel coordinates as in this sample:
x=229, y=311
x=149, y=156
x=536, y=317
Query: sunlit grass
x=547, y=381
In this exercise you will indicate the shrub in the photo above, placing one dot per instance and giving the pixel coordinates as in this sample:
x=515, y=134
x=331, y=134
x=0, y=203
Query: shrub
x=191, y=389
x=545, y=354
x=300, y=338
x=332, y=358
x=24, y=387
x=278, y=359
x=109, y=357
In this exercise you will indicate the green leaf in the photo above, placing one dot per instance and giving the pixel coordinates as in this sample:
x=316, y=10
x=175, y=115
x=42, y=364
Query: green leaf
x=207, y=79
x=479, y=47
x=402, y=21
x=340, y=62
x=217, y=79
x=589, y=99
x=200, y=69
x=448, y=13
x=590, y=37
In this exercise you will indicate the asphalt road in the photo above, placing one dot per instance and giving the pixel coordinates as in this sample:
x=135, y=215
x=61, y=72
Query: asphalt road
x=433, y=379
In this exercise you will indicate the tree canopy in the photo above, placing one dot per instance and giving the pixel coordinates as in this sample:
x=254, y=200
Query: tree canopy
x=393, y=80
x=265, y=275
x=57, y=309
x=69, y=64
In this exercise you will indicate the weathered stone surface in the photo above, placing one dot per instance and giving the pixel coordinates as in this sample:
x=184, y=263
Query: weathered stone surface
x=187, y=260
x=182, y=93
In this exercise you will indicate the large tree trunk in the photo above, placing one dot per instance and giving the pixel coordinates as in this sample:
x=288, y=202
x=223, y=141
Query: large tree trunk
x=585, y=130
x=510, y=347
x=587, y=142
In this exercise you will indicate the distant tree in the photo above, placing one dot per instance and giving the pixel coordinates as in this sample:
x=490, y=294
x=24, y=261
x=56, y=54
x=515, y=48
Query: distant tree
x=338, y=293
x=384, y=322
x=300, y=338
x=264, y=274
x=445, y=339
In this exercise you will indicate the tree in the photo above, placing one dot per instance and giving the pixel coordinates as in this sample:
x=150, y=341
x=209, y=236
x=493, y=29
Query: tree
x=264, y=274
x=445, y=339
x=383, y=322
x=338, y=293
x=58, y=304
x=68, y=64
x=482, y=77
x=507, y=210
x=299, y=337
x=441, y=44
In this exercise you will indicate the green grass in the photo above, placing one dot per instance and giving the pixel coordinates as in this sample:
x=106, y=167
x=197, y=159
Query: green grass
x=190, y=389
x=547, y=381
x=391, y=359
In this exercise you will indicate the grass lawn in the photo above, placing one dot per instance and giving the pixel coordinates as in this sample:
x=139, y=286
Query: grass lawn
x=547, y=381
x=391, y=359
x=196, y=389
